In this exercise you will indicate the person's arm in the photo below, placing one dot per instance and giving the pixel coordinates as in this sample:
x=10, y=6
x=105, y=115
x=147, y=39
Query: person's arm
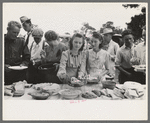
x=62, y=67
x=82, y=70
x=87, y=62
x=106, y=64
x=43, y=53
x=116, y=48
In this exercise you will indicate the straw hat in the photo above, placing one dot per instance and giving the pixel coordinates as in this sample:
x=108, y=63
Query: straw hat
x=23, y=19
x=107, y=31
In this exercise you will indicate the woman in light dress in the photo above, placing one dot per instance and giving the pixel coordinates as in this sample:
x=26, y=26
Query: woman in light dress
x=73, y=61
x=97, y=58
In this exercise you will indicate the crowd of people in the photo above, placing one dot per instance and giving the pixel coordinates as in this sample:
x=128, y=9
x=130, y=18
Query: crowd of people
x=73, y=56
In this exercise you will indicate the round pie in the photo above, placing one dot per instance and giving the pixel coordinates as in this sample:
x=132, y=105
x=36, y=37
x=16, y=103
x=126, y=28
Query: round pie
x=39, y=95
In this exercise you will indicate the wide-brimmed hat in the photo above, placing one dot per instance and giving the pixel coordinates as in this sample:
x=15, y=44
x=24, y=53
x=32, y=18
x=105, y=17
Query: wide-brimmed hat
x=23, y=19
x=107, y=31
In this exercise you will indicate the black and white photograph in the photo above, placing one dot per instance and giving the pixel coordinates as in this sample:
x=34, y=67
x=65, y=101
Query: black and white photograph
x=75, y=61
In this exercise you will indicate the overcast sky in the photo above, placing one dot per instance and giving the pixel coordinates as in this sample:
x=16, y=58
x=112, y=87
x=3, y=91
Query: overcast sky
x=66, y=17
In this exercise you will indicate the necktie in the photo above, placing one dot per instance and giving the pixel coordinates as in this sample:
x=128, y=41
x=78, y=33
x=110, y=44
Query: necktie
x=27, y=40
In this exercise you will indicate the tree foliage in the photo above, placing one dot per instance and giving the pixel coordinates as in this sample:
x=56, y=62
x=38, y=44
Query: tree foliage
x=131, y=5
x=85, y=27
x=137, y=22
x=110, y=24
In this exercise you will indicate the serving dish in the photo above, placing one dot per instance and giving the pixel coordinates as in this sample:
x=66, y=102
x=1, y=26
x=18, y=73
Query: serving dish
x=39, y=95
x=92, y=80
x=69, y=93
x=51, y=88
x=18, y=67
x=140, y=68
x=76, y=82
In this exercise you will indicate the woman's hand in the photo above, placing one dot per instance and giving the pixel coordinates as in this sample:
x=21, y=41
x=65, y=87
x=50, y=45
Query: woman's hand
x=80, y=77
x=62, y=76
x=43, y=54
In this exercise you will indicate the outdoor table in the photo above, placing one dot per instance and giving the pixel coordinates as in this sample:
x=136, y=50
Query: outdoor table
x=85, y=88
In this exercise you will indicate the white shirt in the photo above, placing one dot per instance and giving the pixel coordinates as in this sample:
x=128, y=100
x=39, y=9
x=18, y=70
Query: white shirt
x=35, y=50
x=124, y=55
x=140, y=52
x=112, y=49
x=31, y=39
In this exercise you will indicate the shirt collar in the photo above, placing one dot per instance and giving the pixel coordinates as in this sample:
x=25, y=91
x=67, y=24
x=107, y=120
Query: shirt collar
x=128, y=47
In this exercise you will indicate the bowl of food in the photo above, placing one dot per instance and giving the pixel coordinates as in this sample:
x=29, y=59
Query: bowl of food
x=140, y=68
x=109, y=84
x=76, y=82
x=69, y=93
x=39, y=95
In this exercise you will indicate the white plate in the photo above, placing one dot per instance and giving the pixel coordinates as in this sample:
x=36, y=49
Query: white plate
x=18, y=67
x=132, y=85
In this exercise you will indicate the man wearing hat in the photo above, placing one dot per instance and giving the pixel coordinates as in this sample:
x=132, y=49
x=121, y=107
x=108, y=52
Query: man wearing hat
x=28, y=27
x=111, y=47
x=16, y=54
x=118, y=39
x=36, y=47
x=123, y=60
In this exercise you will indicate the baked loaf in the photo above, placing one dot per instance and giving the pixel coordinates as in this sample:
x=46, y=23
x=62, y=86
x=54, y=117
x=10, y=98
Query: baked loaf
x=88, y=95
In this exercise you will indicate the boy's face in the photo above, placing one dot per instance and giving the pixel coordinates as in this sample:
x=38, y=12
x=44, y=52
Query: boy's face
x=13, y=32
x=37, y=38
x=128, y=40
